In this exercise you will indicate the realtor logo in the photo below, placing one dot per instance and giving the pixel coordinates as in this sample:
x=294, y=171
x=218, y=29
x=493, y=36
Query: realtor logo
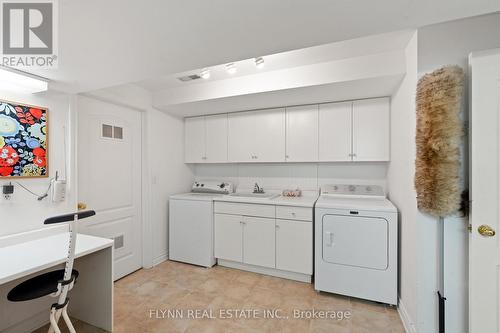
x=28, y=33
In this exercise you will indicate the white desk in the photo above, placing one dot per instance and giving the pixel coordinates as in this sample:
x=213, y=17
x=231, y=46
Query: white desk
x=91, y=300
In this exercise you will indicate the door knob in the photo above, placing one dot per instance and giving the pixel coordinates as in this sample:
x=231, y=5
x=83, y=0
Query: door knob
x=486, y=230
x=82, y=206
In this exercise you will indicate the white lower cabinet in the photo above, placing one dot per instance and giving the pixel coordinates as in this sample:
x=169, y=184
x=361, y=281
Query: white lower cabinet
x=229, y=237
x=284, y=244
x=294, y=248
x=259, y=241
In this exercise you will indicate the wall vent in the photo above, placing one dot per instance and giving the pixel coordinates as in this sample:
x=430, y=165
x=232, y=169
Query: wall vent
x=118, y=242
x=189, y=77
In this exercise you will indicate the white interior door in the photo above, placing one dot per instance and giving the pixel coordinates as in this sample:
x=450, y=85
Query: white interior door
x=484, y=248
x=109, y=178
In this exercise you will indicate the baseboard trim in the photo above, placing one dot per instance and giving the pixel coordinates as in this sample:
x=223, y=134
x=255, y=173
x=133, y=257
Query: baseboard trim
x=158, y=260
x=408, y=323
x=264, y=270
x=29, y=324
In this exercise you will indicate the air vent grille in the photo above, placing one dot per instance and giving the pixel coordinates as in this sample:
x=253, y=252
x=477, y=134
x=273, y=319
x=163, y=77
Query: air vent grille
x=189, y=77
x=118, y=241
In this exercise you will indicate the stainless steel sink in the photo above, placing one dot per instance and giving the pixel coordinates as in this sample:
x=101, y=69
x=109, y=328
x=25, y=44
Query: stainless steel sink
x=255, y=195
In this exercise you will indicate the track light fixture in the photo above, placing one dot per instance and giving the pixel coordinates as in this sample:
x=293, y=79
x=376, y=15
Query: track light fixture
x=259, y=62
x=231, y=68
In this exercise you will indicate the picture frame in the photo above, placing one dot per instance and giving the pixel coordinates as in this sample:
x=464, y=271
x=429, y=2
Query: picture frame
x=24, y=140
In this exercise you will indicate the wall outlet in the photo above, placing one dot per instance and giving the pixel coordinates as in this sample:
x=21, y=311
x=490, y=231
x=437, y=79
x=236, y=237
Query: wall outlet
x=7, y=191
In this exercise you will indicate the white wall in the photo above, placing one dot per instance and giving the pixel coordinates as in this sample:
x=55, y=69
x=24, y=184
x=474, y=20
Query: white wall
x=306, y=176
x=23, y=212
x=400, y=181
x=449, y=43
x=167, y=171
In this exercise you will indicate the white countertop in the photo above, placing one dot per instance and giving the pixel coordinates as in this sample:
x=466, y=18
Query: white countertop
x=306, y=200
x=22, y=259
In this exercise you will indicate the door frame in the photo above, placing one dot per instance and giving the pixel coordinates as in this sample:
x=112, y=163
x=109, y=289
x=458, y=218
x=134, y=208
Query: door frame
x=476, y=316
x=146, y=229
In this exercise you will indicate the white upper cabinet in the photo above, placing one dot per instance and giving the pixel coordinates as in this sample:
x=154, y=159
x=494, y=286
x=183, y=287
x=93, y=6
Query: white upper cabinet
x=257, y=136
x=331, y=132
x=335, y=132
x=371, y=137
x=270, y=139
x=206, y=139
x=194, y=139
x=216, y=138
x=302, y=133
x=241, y=136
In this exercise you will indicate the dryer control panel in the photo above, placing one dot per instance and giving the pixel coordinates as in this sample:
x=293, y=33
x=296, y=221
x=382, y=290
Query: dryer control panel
x=351, y=191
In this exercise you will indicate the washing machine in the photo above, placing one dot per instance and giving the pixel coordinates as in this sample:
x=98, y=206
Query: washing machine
x=191, y=225
x=356, y=243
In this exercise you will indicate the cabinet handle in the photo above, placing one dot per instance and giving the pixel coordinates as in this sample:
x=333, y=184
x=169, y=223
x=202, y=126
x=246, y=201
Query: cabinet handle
x=277, y=226
x=286, y=156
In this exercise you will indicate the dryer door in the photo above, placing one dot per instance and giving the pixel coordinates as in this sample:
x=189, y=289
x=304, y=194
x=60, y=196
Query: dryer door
x=356, y=241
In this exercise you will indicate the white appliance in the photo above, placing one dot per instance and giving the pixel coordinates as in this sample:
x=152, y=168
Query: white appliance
x=191, y=226
x=356, y=239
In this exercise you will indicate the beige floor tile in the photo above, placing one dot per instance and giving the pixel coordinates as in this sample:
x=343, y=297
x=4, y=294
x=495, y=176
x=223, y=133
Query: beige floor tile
x=372, y=320
x=326, y=301
x=247, y=279
x=330, y=326
x=368, y=305
x=172, y=285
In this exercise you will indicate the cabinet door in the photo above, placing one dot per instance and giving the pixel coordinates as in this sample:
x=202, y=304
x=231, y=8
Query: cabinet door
x=216, y=138
x=241, y=137
x=335, y=129
x=371, y=130
x=194, y=139
x=259, y=241
x=302, y=133
x=294, y=246
x=228, y=237
x=269, y=136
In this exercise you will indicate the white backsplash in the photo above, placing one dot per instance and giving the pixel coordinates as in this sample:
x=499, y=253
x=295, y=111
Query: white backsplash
x=306, y=176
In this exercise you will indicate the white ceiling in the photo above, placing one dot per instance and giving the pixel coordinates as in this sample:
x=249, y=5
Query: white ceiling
x=112, y=42
x=358, y=68
x=345, y=49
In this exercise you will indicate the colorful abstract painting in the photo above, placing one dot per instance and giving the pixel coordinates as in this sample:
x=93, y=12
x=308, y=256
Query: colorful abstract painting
x=23, y=140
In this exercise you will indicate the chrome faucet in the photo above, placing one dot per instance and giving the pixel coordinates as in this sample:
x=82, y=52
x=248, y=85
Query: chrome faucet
x=257, y=189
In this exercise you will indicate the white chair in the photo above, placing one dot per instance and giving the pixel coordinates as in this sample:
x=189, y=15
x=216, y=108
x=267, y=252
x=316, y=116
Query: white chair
x=55, y=283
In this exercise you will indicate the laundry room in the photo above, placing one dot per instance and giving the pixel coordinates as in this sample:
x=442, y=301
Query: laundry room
x=249, y=167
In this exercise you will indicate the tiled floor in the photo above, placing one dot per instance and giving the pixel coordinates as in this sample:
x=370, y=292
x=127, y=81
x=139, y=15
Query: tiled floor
x=176, y=286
